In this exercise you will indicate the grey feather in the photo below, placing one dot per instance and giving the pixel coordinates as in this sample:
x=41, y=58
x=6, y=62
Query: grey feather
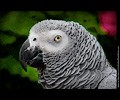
x=82, y=64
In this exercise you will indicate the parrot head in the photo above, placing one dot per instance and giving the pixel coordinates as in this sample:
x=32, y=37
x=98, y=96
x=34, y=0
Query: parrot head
x=45, y=38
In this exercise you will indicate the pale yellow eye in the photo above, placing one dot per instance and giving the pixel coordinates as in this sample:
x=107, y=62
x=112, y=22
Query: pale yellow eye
x=58, y=38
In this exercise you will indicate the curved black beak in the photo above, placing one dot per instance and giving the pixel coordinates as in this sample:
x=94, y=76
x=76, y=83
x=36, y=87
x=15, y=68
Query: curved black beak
x=30, y=55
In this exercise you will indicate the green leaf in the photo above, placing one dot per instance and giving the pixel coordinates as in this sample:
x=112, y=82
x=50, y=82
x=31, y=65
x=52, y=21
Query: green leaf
x=6, y=39
x=20, y=22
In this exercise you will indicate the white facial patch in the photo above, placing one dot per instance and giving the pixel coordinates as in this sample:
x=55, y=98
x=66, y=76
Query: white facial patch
x=46, y=40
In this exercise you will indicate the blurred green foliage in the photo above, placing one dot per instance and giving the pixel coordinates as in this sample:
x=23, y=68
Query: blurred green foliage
x=6, y=39
x=14, y=29
x=14, y=67
x=20, y=22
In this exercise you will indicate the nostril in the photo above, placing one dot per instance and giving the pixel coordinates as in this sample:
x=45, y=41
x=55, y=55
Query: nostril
x=34, y=39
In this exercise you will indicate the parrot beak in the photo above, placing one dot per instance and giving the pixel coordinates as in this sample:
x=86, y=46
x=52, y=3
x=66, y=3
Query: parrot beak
x=21, y=54
x=30, y=55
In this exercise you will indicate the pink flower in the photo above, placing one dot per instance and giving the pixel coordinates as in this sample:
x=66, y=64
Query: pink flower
x=108, y=22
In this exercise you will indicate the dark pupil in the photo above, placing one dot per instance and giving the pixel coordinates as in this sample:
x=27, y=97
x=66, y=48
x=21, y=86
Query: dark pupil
x=34, y=39
x=58, y=38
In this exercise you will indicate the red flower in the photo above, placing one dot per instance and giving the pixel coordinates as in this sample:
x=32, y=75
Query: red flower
x=108, y=22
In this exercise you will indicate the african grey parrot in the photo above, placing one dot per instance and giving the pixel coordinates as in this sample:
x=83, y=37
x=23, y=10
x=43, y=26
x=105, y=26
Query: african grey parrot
x=67, y=56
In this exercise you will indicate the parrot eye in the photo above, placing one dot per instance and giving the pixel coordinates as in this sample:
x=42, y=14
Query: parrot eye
x=57, y=38
x=34, y=39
